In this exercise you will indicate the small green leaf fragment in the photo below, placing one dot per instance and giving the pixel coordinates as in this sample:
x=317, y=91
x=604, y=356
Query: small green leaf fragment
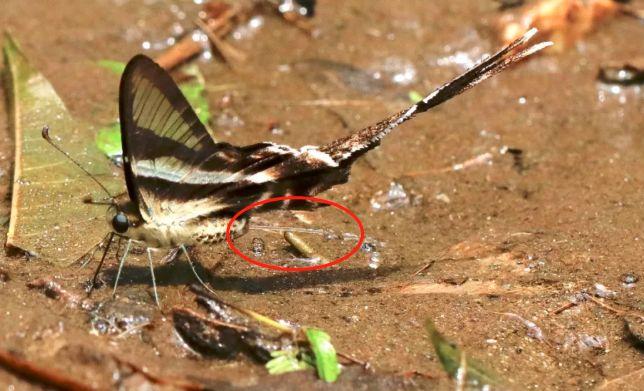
x=116, y=67
x=194, y=91
x=326, y=360
x=415, y=96
x=451, y=358
x=108, y=140
x=285, y=361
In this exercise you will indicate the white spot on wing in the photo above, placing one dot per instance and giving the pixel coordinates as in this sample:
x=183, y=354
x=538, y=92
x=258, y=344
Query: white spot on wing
x=314, y=153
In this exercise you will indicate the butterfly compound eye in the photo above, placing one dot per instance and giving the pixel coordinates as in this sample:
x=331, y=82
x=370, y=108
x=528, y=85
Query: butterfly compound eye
x=120, y=223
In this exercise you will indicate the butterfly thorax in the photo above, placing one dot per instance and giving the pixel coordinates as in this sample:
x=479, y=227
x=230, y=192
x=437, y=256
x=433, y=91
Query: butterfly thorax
x=172, y=234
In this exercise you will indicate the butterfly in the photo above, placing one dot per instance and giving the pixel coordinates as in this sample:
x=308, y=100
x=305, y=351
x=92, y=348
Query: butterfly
x=183, y=187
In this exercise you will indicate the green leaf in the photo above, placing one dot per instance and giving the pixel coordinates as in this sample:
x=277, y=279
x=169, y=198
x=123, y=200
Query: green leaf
x=285, y=361
x=195, y=92
x=451, y=357
x=115, y=66
x=108, y=140
x=48, y=218
x=326, y=360
x=415, y=96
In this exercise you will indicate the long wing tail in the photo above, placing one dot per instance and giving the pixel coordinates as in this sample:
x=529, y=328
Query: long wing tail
x=358, y=143
x=276, y=170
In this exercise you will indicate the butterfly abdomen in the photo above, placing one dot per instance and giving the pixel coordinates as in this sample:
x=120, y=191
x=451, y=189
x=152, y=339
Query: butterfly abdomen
x=172, y=235
x=214, y=230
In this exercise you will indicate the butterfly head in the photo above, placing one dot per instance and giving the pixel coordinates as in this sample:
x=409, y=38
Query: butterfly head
x=123, y=216
x=120, y=223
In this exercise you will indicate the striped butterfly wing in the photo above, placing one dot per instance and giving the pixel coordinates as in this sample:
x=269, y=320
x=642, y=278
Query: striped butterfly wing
x=175, y=171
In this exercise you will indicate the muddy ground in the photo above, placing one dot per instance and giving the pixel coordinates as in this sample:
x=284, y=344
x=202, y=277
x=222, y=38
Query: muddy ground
x=504, y=237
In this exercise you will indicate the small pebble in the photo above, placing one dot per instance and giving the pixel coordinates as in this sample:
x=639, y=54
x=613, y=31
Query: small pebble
x=593, y=342
x=396, y=197
x=603, y=292
x=442, y=197
x=630, y=278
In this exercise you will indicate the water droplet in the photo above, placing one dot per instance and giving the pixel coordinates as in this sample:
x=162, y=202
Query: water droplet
x=374, y=260
x=394, y=198
x=258, y=247
x=368, y=247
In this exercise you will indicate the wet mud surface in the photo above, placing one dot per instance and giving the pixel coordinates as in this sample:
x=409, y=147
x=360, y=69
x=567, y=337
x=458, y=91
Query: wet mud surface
x=513, y=237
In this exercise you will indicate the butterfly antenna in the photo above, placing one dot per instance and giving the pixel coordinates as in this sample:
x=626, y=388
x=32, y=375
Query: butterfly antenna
x=45, y=135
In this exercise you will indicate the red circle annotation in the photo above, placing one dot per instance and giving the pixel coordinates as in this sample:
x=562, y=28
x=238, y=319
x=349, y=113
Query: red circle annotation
x=303, y=268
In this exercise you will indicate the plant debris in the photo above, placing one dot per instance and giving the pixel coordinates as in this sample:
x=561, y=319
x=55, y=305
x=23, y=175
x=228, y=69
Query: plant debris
x=304, y=248
x=456, y=363
x=326, y=360
x=533, y=331
x=230, y=330
x=42, y=375
x=564, y=22
x=47, y=218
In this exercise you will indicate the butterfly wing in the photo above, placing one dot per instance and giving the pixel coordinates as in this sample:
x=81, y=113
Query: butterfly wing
x=175, y=171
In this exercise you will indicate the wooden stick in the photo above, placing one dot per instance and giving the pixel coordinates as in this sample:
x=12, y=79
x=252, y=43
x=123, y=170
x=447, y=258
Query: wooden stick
x=187, y=48
x=34, y=373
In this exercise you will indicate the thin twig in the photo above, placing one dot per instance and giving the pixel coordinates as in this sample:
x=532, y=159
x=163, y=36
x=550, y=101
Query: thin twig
x=565, y=307
x=225, y=50
x=213, y=322
x=364, y=364
x=427, y=266
x=612, y=309
x=415, y=372
x=34, y=373
x=187, y=48
x=162, y=381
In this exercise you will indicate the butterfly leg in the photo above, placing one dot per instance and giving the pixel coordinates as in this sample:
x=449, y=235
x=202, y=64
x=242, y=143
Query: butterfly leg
x=194, y=270
x=121, y=263
x=110, y=237
x=90, y=253
x=118, y=247
x=154, y=281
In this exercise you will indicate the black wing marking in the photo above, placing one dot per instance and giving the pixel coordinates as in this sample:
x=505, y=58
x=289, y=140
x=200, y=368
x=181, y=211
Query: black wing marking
x=175, y=171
